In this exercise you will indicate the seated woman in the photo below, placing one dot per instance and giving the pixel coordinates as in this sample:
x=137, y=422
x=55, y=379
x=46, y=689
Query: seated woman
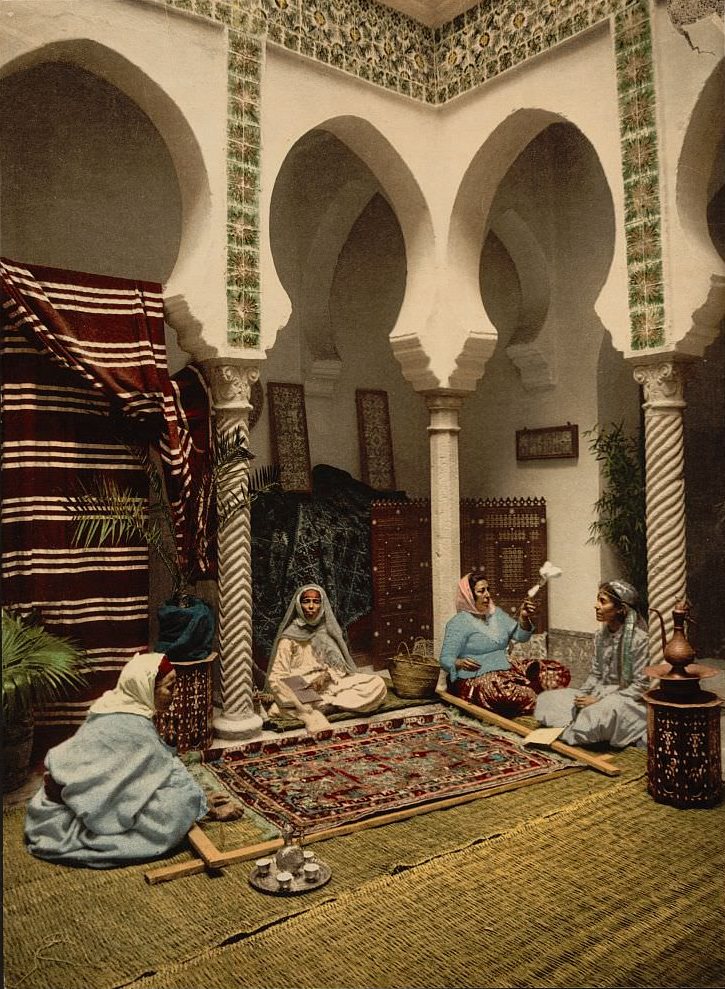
x=609, y=707
x=310, y=651
x=115, y=793
x=474, y=655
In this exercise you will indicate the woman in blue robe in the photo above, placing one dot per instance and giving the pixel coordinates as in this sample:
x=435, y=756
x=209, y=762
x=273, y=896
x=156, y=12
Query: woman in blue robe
x=115, y=793
x=475, y=655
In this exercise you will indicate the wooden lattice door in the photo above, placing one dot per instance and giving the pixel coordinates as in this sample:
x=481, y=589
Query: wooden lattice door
x=402, y=586
x=506, y=538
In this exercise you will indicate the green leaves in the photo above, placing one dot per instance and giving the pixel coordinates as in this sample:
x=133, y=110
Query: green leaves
x=621, y=508
x=108, y=515
x=37, y=667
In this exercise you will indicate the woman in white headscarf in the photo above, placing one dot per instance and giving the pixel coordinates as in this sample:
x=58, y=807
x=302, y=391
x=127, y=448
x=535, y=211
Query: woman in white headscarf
x=311, y=672
x=609, y=706
x=115, y=793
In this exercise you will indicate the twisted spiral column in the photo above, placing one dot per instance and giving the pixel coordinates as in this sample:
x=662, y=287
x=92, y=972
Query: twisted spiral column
x=444, y=506
x=663, y=406
x=231, y=387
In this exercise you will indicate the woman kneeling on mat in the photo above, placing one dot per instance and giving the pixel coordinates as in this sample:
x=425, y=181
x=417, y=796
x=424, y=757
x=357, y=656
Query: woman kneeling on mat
x=311, y=672
x=474, y=653
x=609, y=707
x=115, y=793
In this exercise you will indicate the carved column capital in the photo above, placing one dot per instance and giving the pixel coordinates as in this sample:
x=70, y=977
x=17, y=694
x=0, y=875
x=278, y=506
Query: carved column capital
x=231, y=385
x=444, y=408
x=663, y=383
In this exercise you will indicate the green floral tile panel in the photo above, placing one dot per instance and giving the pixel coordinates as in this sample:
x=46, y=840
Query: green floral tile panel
x=640, y=174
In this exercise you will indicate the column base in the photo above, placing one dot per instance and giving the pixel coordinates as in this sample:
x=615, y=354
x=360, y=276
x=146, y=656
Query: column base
x=237, y=728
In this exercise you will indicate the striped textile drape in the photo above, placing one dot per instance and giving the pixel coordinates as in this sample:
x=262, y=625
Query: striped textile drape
x=79, y=351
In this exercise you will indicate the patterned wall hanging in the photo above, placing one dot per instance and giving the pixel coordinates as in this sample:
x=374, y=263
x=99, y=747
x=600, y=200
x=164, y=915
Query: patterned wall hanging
x=549, y=443
x=377, y=467
x=288, y=429
x=504, y=537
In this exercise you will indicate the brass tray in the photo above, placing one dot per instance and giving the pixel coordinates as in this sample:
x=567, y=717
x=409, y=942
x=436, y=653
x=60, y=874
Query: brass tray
x=269, y=884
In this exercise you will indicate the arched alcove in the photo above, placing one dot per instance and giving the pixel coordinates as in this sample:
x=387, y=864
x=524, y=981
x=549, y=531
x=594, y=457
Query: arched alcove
x=88, y=182
x=340, y=255
x=321, y=190
x=698, y=272
x=546, y=243
x=189, y=182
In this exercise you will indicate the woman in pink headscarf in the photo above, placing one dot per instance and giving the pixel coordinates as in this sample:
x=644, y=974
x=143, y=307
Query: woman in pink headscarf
x=475, y=658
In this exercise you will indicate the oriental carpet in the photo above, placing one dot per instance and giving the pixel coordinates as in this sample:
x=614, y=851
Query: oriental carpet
x=346, y=774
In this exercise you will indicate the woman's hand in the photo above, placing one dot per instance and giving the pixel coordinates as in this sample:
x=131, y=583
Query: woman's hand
x=584, y=700
x=527, y=610
x=321, y=681
x=467, y=664
x=221, y=808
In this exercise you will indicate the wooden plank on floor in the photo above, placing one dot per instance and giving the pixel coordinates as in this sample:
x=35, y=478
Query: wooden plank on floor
x=602, y=763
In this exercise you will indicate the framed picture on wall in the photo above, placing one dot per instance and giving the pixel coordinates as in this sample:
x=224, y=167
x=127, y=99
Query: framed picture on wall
x=549, y=443
x=377, y=467
x=288, y=431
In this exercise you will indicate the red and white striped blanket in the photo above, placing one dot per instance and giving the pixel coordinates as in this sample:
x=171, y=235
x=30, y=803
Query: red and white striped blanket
x=78, y=349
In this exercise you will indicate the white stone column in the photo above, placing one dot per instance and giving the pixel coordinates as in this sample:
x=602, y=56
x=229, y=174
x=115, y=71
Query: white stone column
x=444, y=506
x=663, y=384
x=231, y=387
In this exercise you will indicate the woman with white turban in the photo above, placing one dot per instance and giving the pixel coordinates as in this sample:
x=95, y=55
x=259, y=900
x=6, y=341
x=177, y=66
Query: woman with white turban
x=609, y=706
x=115, y=793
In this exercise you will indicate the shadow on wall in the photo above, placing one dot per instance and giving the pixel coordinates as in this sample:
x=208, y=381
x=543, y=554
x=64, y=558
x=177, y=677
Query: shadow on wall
x=705, y=490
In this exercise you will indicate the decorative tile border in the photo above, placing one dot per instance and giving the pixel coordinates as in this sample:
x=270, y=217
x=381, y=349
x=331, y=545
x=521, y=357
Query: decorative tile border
x=640, y=172
x=388, y=49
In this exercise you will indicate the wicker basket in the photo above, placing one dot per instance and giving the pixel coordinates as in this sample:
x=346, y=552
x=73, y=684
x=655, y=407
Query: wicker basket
x=414, y=674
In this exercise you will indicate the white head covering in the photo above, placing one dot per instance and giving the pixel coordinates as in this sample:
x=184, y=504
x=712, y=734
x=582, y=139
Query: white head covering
x=465, y=600
x=323, y=632
x=134, y=692
x=620, y=591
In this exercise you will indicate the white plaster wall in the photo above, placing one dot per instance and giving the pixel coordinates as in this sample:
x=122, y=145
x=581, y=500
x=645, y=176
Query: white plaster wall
x=174, y=66
x=87, y=181
x=363, y=304
x=437, y=145
x=687, y=159
x=592, y=383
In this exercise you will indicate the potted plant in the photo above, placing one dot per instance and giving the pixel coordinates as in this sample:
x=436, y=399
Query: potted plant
x=38, y=667
x=106, y=513
x=620, y=511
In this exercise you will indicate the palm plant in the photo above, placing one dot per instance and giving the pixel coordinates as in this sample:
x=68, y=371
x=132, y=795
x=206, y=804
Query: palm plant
x=621, y=508
x=38, y=667
x=108, y=514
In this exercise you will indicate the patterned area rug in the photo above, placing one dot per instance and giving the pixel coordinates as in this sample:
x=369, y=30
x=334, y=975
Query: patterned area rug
x=344, y=775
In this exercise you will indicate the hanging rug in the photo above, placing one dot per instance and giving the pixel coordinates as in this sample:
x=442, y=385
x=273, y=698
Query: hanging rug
x=345, y=774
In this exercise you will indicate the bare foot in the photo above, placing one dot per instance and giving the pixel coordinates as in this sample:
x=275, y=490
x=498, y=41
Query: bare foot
x=315, y=721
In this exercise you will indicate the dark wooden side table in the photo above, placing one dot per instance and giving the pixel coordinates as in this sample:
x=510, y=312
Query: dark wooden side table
x=188, y=722
x=683, y=749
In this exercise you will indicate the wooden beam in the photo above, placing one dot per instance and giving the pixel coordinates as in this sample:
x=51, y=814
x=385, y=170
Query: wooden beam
x=178, y=871
x=600, y=762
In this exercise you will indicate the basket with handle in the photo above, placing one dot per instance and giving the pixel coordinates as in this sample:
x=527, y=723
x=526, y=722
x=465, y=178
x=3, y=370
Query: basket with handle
x=414, y=674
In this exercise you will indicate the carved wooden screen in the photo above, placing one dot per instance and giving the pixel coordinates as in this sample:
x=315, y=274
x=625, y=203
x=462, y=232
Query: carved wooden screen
x=506, y=538
x=402, y=586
